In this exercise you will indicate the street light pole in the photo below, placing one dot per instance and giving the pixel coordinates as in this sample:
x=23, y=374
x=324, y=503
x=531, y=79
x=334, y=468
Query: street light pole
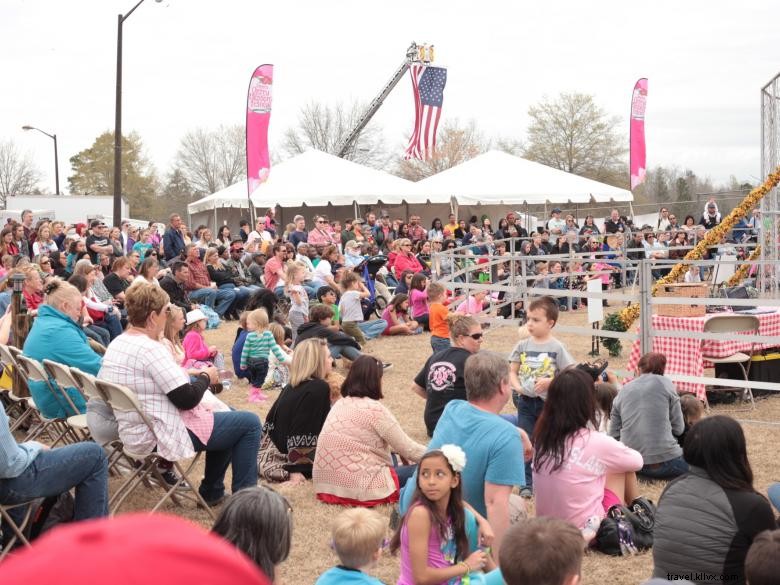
x=56, y=158
x=118, y=118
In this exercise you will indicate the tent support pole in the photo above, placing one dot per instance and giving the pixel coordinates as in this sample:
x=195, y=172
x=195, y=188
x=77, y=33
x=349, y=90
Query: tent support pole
x=576, y=215
x=215, y=219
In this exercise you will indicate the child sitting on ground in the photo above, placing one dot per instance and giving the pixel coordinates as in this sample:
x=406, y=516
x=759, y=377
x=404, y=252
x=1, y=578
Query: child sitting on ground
x=541, y=550
x=434, y=533
x=327, y=296
x=532, y=364
x=258, y=346
x=397, y=316
x=437, y=317
x=358, y=537
x=278, y=375
x=473, y=304
x=419, y=299
x=238, y=347
x=693, y=411
x=352, y=320
x=605, y=396
x=196, y=353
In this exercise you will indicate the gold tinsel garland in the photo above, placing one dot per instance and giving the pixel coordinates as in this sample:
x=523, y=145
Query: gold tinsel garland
x=713, y=236
x=741, y=273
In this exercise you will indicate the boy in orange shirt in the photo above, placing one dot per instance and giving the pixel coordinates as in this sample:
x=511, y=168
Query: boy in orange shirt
x=437, y=317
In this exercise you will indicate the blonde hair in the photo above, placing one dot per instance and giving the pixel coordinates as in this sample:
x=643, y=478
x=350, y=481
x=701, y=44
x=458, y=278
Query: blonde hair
x=142, y=300
x=357, y=536
x=308, y=361
x=460, y=324
x=171, y=333
x=58, y=292
x=291, y=270
x=83, y=267
x=277, y=331
x=242, y=319
x=257, y=320
x=435, y=290
x=210, y=251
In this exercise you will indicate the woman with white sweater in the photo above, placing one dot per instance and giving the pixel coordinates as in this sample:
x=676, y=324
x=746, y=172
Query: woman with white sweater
x=354, y=465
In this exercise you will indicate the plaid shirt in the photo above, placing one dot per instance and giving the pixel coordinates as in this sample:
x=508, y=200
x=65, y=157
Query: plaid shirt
x=417, y=233
x=199, y=275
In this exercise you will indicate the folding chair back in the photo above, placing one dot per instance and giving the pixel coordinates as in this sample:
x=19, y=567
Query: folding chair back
x=87, y=383
x=6, y=356
x=32, y=369
x=122, y=399
x=61, y=374
x=731, y=324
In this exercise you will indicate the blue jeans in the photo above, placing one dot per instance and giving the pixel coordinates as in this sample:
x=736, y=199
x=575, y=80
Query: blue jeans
x=97, y=333
x=218, y=299
x=372, y=329
x=667, y=469
x=242, y=294
x=235, y=439
x=113, y=324
x=439, y=343
x=83, y=466
x=528, y=411
x=774, y=495
x=349, y=352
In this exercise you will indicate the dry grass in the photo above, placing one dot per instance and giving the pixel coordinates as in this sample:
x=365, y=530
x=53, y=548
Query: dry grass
x=311, y=554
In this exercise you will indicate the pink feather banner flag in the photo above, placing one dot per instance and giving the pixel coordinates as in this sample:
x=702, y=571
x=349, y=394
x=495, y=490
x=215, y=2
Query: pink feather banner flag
x=638, y=156
x=258, y=117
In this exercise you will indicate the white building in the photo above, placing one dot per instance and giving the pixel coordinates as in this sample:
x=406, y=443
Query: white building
x=71, y=209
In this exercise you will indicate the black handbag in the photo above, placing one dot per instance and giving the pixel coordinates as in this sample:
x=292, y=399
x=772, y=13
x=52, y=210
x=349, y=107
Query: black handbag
x=627, y=530
x=739, y=292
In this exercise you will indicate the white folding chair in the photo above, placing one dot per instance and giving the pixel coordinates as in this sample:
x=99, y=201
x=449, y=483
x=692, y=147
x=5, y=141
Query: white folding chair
x=57, y=428
x=122, y=399
x=22, y=408
x=86, y=384
x=734, y=324
x=63, y=380
x=16, y=529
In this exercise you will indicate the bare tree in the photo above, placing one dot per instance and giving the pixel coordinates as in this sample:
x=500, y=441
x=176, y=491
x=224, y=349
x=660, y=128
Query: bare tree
x=18, y=173
x=455, y=144
x=325, y=128
x=575, y=135
x=211, y=160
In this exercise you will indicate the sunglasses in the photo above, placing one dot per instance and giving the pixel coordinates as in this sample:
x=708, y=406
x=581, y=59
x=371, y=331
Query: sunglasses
x=321, y=221
x=476, y=336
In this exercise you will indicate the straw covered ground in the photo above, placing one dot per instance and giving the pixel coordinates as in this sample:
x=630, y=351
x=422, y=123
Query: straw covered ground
x=311, y=553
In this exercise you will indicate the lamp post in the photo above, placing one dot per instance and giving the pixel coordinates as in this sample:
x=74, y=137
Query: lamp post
x=56, y=160
x=118, y=117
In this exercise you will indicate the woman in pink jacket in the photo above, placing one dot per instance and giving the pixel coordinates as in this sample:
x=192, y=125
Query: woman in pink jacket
x=406, y=260
x=579, y=473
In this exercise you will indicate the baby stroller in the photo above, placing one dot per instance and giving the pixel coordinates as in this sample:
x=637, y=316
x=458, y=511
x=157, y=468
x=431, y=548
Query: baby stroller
x=368, y=269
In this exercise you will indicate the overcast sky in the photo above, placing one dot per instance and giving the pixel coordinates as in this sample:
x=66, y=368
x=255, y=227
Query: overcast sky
x=187, y=64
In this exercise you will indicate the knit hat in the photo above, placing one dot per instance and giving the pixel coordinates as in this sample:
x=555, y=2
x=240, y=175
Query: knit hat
x=132, y=549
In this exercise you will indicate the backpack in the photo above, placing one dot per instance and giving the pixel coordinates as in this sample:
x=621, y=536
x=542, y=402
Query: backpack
x=49, y=512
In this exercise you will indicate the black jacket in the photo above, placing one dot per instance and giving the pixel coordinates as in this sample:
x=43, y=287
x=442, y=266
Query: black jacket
x=176, y=293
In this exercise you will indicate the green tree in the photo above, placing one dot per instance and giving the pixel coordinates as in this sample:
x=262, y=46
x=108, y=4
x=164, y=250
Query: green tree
x=93, y=173
x=573, y=134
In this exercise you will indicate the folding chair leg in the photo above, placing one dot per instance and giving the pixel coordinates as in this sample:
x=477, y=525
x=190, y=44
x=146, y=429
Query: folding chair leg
x=16, y=529
x=184, y=478
x=127, y=488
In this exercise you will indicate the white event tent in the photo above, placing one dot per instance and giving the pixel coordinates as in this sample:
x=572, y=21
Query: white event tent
x=319, y=183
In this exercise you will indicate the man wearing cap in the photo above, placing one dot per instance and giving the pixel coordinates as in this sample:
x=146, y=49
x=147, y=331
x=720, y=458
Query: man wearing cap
x=555, y=225
x=711, y=217
x=241, y=276
x=97, y=242
x=199, y=285
x=299, y=234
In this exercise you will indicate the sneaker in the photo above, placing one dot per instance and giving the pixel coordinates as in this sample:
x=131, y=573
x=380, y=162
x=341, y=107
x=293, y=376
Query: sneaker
x=526, y=492
x=256, y=394
x=214, y=503
x=171, y=478
x=386, y=366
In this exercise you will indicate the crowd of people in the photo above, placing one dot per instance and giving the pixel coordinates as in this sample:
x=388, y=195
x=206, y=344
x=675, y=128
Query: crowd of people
x=132, y=307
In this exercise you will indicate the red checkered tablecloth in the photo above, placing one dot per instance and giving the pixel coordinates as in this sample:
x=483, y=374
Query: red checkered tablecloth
x=685, y=356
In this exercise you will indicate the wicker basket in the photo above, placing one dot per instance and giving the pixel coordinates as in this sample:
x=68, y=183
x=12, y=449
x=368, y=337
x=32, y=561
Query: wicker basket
x=694, y=289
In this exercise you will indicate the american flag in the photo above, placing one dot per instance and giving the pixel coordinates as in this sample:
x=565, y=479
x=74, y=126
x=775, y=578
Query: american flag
x=428, y=88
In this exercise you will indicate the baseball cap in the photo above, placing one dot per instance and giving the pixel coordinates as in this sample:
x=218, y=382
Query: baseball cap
x=556, y=210
x=130, y=549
